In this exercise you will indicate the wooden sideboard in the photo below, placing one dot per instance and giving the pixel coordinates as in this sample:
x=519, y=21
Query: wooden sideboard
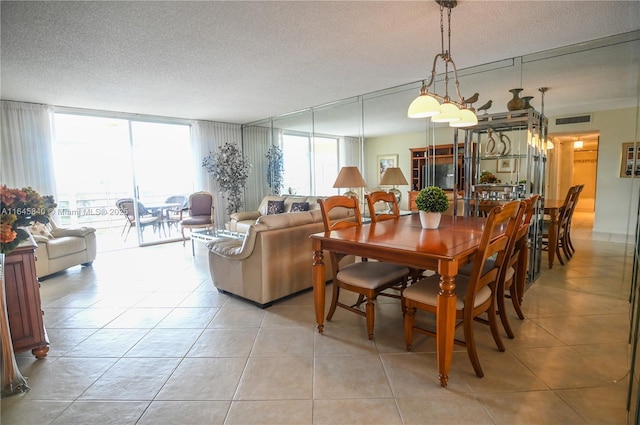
x=24, y=308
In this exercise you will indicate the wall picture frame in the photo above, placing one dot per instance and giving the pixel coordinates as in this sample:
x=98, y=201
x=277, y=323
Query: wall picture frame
x=384, y=162
x=506, y=165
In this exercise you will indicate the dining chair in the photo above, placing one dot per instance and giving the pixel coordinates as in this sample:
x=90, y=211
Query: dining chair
x=172, y=216
x=475, y=293
x=564, y=222
x=390, y=211
x=513, y=275
x=368, y=279
x=569, y=242
x=145, y=219
x=200, y=213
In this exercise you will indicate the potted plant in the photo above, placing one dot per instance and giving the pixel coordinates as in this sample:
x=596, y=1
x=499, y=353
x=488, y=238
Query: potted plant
x=431, y=201
x=230, y=169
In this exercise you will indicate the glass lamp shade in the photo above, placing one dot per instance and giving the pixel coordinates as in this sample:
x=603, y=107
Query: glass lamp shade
x=423, y=106
x=467, y=119
x=448, y=113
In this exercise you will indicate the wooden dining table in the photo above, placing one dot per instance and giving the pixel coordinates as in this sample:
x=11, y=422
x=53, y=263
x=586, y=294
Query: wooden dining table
x=404, y=241
x=552, y=208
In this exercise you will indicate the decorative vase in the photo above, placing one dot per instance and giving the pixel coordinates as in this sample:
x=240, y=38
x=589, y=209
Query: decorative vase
x=527, y=102
x=430, y=220
x=12, y=380
x=515, y=104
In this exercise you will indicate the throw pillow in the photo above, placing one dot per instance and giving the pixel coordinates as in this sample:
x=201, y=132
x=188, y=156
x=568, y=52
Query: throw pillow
x=40, y=229
x=299, y=206
x=275, y=207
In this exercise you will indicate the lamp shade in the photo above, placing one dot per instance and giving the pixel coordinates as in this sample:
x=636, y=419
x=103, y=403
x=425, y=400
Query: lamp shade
x=423, y=106
x=393, y=176
x=467, y=119
x=349, y=177
x=448, y=113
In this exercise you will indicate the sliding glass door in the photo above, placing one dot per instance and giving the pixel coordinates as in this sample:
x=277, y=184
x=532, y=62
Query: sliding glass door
x=128, y=179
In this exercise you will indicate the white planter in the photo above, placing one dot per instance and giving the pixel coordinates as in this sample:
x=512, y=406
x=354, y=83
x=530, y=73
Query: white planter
x=430, y=220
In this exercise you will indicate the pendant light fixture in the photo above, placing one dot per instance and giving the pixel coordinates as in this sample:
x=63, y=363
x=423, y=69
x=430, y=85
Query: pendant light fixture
x=456, y=113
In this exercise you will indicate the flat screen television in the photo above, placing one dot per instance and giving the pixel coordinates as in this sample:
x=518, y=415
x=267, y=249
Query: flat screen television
x=441, y=175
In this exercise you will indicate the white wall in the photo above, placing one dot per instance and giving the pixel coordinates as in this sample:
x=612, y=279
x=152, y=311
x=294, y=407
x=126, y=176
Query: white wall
x=616, y=198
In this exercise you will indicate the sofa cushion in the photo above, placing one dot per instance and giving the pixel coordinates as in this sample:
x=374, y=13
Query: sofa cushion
x=66, y=245
x=299, y=206
x=275, y=207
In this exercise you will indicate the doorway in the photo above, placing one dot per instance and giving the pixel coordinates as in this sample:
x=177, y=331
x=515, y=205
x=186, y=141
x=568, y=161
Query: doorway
x=572, y=160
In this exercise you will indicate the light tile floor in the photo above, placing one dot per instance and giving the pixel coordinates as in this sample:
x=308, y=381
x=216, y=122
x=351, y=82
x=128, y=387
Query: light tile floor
x=143, y=337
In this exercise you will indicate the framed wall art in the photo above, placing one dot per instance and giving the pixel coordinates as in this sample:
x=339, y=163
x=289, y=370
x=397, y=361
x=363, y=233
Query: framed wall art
x=630, y=164
x=384, y=162
x=506, y=165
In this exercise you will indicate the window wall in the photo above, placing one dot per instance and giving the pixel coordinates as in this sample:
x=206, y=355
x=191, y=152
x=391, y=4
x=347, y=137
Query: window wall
x=99, y=160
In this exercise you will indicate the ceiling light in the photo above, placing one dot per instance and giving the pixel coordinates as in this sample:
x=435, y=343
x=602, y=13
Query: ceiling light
x=456, y=113
x=578, y=144
x=549, y=144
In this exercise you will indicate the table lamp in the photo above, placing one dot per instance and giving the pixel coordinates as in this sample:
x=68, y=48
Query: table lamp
x=393, y=176
x=349, y=177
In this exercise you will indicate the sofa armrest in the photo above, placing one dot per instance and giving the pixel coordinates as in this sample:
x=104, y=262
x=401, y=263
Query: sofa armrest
x=79, y=232
x=40, y=238
x=245, y=215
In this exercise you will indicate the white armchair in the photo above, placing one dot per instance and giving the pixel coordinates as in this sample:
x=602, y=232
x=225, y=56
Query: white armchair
x=60, y=248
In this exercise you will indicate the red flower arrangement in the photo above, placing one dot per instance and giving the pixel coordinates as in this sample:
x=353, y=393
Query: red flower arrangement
x=21, y=208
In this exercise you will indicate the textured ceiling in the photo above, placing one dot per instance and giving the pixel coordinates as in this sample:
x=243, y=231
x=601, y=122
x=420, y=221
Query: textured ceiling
x=243, y=61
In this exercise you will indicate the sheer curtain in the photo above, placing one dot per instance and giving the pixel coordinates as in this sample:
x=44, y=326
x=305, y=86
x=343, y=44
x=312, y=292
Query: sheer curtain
x=26, y=154
x=256, y=141
x=206, y=137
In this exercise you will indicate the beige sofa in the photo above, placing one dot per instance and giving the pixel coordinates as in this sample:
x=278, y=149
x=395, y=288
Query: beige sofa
x=241, y=221
x=273, y=261
x=60, y=248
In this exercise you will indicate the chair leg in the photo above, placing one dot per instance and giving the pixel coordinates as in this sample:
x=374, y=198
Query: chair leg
x=334, y=300
x=470, y=343
x=517, y=290
x=493, y=324
x=184, y=240
x=502, y=311
x=565, y=247
x=370, y=315
x=558, y=255
x=409, y=322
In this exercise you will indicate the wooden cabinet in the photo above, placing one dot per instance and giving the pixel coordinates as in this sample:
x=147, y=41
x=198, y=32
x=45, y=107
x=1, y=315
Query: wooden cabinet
x=24, y=309
x=436, y=165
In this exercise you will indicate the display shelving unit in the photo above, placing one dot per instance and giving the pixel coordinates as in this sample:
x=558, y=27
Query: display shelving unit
x=511, y=146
